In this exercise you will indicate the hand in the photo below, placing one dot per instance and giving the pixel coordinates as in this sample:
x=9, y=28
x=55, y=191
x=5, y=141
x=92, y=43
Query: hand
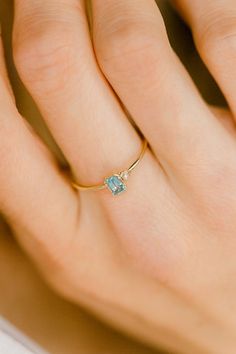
x=159, y=260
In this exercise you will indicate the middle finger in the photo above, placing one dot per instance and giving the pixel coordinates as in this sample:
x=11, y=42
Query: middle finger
x=213, y=24
x=136, y=57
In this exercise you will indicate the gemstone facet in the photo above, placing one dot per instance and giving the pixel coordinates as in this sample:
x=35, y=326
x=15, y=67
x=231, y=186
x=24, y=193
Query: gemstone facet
x=115, y=184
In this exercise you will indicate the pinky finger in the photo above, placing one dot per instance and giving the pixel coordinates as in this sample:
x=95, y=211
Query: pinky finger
x=34, y=197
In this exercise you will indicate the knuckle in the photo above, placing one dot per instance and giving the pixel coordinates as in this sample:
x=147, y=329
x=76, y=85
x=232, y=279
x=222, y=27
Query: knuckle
x=53, y=255
x=219, y=197
x=44, y=58
x=217, y=32
x=72, y=279
x=128, y=45
x=58, y=267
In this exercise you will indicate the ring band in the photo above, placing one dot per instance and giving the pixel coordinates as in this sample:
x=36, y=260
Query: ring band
x=116, y=182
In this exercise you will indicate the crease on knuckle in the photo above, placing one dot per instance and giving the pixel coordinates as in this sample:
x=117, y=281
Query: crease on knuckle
x=218, y=31
x=128, y=44
x=71, y=278
x=45, y=58
x=56, y=260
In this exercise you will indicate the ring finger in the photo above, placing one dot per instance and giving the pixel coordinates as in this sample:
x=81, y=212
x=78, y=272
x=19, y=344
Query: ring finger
x=55, y=59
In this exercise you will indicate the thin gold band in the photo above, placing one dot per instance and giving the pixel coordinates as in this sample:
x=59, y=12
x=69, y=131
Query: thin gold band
x=122, y=175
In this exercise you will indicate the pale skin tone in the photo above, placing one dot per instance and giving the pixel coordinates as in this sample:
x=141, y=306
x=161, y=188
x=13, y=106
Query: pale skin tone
x=159, y=260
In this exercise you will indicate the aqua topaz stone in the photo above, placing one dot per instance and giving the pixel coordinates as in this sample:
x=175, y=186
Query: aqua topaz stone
x=115, y=184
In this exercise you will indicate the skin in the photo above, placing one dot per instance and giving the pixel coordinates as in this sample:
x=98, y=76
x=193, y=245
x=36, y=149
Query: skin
x=169, y=242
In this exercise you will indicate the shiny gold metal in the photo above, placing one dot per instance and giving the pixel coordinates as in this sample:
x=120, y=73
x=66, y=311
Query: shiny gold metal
x=123, y=175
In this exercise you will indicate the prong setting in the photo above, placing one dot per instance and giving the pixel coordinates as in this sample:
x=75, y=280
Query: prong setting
x=115, y=184
x=124, y=175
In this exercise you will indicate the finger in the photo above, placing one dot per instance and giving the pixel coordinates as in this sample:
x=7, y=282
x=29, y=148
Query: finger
x=214, y=28
x=226, y=118
x=134, y=53
x=33, y=195
x=55, y=58
x=3, y=69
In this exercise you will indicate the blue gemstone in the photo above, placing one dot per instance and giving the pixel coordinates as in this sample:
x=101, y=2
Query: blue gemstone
x=115, y=184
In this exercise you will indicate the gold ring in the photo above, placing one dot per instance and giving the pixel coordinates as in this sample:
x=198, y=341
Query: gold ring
x=116, y=182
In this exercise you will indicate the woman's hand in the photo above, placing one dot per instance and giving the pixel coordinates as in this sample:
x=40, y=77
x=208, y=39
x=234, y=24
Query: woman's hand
x=159, y=260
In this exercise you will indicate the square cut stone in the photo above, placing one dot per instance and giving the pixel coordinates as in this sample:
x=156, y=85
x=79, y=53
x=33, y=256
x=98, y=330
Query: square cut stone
x=115, y=184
